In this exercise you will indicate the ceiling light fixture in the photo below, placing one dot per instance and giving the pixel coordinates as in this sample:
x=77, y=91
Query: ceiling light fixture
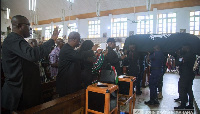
x=148, y=5
x=8, y=13
x=32, y=5
x=98, y=8
x=71, y=1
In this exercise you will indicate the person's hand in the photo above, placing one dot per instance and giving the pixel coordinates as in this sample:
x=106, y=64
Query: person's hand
x=105, y=52
x=55, y=34
x=124, y=56
x=94, y=48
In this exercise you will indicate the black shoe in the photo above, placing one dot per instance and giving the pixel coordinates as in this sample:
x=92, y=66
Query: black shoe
x=156, y=101
x=150, y=102
x=179, y=107
x=177, y=100
x=190, y=107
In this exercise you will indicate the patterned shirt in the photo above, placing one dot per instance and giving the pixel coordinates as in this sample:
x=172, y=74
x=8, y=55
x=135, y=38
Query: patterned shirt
x=54, y=57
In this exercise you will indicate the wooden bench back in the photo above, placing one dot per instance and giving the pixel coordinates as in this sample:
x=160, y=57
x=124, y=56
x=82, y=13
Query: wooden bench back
x=69, y=104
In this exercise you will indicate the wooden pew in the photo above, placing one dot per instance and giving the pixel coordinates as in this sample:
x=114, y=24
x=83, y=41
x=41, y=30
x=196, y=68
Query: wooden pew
x=48, y=91
x=69, y=104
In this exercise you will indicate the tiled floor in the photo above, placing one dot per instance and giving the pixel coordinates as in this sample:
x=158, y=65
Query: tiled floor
x=170, y=92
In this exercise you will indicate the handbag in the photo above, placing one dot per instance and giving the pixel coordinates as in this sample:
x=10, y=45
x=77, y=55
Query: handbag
x=107, y=76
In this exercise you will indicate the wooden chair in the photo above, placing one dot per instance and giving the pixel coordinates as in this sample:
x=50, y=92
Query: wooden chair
x=102, y=100
x=130, y=98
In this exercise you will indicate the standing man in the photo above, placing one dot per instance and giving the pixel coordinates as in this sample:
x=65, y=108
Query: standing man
x=186, y=63
x=21, y=89
x=133, y=57
x=156, y=60
x=68, y=79
x=54, y=57
x=112, y=56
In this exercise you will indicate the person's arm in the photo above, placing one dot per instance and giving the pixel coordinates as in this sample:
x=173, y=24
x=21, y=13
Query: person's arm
x=20, y=47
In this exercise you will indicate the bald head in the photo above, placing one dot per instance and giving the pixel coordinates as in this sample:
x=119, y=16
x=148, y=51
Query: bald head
x=18, y=19
x=74, y=35
x=21, y=25
x=74, y=39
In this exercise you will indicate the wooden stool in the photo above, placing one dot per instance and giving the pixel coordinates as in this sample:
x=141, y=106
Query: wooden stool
x=124, y=99
x=102, y=100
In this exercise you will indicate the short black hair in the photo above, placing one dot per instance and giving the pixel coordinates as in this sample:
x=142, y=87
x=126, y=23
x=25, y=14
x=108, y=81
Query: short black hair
x=19, y=17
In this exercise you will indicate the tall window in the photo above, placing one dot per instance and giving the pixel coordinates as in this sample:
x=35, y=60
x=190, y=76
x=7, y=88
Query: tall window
x=145, y=24
x=94, y=29
x=47, y=32
x=194, y=22
x=72, y=28
x=119, y=27
x=167, y=23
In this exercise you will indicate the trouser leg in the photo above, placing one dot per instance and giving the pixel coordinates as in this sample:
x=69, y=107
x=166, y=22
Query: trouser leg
x=183, y=92
x=190, y=93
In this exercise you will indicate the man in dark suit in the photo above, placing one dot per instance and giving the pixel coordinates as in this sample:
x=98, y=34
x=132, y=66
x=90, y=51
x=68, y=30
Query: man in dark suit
x=68, y=79
x=186, y=62
x=156, y=60
x=112, y=56
x=21, y=89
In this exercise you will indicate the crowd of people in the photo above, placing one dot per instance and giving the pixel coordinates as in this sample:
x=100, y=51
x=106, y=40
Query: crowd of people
x=75, y=65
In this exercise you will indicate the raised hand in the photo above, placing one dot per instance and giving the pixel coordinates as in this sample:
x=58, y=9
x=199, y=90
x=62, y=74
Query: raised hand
x=55, y=33
x=105, y=52
x=94, y=48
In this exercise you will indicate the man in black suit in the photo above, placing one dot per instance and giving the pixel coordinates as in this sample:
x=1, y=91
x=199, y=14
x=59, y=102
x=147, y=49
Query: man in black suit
x=68, y=79
x=186, y=62
x=112, y=56
x=21, y=89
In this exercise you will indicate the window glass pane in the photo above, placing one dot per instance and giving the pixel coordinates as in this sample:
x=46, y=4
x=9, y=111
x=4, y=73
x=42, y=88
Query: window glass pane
x=151, y=21
x=191, y=23
x=196, y=12
x=164, y=15
x=170, y=15
x=191, y=32
x=160, y=20
x=124, y=19
x=191, y=18
x=197, y=19
x=191, y=13
x=174, y=15
x=173, y=31
x=160, y=15
x=173, y=20
x=196, y=33
x=138, y=17
x=197, y=24
x=196, y=27
x=191, y=28
x=151, y=16
x=173, y=24
x=142, y=17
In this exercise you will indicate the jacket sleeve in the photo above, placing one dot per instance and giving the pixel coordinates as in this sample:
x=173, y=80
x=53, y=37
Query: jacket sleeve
x=21, y=48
